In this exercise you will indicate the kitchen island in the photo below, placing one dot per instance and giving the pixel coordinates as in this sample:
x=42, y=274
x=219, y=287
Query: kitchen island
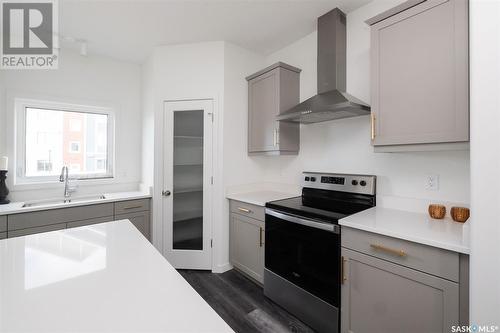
x=100, y=278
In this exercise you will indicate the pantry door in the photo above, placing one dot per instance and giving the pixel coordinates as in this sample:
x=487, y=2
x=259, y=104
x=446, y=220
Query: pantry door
x=187, y=191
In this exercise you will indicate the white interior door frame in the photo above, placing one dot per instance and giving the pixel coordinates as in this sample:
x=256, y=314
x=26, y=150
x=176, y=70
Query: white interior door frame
x=188, y=259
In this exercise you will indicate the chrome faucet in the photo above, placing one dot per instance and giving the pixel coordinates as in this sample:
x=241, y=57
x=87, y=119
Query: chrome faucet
x=64, y=178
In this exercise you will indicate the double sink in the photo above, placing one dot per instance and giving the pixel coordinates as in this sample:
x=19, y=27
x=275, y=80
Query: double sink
x=61, y=201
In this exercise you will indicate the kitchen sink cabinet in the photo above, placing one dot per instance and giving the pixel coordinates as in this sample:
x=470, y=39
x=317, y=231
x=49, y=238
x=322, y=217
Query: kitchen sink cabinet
x=3, y=223
x=21, y=224
x=389, y=287
x=419, y=76
x=247, y=242
x=272, y=91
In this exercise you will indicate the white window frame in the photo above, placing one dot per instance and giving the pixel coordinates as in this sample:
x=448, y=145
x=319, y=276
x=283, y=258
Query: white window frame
x=20, y=106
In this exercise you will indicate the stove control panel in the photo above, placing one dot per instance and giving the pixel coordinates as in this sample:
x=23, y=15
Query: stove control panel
x=365, y=184
x=333, y=180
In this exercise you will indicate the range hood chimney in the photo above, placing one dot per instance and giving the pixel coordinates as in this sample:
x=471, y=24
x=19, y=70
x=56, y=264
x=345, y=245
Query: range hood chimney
x=331, y=102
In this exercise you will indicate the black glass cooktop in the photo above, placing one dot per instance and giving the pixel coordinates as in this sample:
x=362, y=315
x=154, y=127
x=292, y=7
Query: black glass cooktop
x=325, y=205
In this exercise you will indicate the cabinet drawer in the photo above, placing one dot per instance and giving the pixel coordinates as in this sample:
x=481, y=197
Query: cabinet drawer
x=3, y=235
x=90, y=222
x=3, y=223
x=37, y=230
x=253, y=211
x=55, y=216
x=131, y=206
x=424, y=258
x=140, y=220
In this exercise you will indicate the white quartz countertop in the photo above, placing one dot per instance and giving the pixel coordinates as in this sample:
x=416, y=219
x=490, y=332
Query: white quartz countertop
x=415, y=227
x=101, y=278
x=17, y=207
x=260, y=198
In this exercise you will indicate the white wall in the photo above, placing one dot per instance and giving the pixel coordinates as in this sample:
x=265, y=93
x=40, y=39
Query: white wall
x=93, y=79
x=344, y=145
x=485, y=162
x=238, y=167
x=180, y=72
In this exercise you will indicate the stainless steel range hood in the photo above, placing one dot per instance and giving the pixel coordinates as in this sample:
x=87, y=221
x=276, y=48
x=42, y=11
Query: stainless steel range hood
x=331, y=102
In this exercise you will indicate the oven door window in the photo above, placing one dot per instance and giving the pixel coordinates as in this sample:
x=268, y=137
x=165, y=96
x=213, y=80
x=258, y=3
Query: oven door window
x=306, y=256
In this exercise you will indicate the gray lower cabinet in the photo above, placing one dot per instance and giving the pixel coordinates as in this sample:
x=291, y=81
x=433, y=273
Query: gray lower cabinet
x=90, y=222
x=391, y=285
x=36, y=230
x=3, y=235
x=139, y=219
x=3, y=223
x=271, y=92
x=380, y=296
x=419, y=75
x=22, y=224
x=247, y=236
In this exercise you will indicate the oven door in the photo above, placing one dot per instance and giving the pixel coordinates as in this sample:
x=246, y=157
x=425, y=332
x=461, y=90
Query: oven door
x=305, y=252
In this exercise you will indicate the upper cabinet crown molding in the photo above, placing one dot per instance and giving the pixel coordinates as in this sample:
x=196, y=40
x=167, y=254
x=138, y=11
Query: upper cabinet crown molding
x=271, y=92
x=420, y=75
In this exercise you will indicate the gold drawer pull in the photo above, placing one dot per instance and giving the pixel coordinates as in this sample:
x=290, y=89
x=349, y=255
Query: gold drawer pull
x=342, y=270
x=244, y=210
x=378, y=247
x=132, y=207
x=373, y=126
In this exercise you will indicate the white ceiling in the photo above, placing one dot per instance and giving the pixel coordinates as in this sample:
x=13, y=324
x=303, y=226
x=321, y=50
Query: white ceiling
x=129, y=29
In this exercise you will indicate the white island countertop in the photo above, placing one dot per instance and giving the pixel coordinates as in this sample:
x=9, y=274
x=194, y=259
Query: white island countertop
x=260, y=198
x=101, y=278
x=415, y=227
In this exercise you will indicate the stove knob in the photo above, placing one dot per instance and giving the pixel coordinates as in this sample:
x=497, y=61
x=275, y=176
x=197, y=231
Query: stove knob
x=307, y=179
x=313, y=179
x=362, y=183
x=354, y=182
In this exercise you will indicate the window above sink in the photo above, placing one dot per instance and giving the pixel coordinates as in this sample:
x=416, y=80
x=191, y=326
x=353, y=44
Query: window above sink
x=50, y=135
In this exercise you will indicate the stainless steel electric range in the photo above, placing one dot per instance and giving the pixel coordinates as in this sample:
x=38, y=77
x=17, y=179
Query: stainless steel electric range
x=302, y=260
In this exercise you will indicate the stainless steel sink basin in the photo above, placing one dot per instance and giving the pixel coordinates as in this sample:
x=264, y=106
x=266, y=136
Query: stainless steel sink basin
x=59, y=201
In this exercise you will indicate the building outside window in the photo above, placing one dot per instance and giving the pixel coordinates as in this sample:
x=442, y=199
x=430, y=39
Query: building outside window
x=56, y=135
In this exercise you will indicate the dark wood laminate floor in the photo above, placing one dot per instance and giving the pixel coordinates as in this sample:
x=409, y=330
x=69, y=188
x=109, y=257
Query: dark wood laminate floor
x=242, y=304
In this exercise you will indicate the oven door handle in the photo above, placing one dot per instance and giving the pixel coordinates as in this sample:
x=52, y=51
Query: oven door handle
x=307, y=222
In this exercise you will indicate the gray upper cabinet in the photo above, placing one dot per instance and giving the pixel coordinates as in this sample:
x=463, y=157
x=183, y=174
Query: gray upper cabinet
x=419, y=74
x=271, y=92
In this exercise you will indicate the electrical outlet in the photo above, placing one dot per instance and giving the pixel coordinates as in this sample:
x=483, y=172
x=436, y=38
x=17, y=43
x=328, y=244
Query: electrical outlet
x=432, y=183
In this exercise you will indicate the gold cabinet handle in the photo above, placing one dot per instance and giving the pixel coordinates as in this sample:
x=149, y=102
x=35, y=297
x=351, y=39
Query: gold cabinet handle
x=244, y=210
x=342, y=270
x=260, y=237
x=378, y=247
x=373, y=126
x=132, y=207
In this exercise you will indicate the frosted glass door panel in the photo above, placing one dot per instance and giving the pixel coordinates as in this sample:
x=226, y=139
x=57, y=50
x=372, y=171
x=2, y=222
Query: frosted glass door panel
x=188, y=180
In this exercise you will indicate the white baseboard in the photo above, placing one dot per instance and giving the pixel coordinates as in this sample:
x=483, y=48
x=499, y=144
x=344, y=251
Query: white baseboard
x=222, y=268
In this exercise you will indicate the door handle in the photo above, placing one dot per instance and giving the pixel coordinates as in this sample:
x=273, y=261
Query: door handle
x=260, y=237
x=378, y=247
x=165, y=193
